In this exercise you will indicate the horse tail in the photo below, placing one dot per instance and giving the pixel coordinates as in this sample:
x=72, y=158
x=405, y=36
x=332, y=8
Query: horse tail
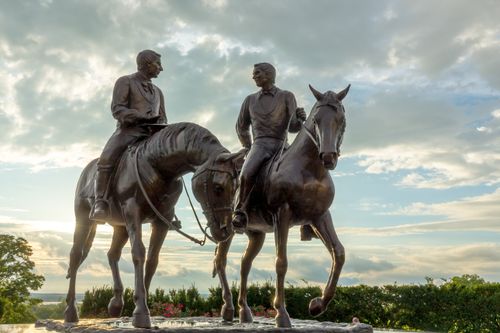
x=214, y=270
x=84, y=192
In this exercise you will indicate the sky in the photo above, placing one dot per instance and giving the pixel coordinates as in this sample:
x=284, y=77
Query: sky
x=418, y=182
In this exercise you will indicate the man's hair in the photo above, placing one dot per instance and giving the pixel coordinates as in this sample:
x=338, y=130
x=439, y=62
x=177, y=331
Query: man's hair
x=145, y=57
x=268, y=69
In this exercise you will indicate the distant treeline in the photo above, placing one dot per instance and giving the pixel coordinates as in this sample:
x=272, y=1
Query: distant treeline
x=460, y=304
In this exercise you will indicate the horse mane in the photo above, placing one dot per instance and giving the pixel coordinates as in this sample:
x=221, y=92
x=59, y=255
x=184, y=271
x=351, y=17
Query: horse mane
x=183, y=137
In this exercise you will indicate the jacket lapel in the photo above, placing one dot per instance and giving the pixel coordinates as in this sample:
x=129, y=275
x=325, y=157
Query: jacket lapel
x=147, y=96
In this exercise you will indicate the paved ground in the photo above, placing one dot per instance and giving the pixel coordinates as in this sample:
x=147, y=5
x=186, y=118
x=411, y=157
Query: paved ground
x=201, y=324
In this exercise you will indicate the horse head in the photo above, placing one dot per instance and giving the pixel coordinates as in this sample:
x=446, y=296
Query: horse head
x=213, y=186
x=326, y=125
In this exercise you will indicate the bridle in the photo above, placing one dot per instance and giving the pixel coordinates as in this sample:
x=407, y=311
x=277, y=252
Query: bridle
x=211, y=209
x=313, y=134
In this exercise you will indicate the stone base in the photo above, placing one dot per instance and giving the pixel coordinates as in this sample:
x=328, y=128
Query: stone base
x=200, y=324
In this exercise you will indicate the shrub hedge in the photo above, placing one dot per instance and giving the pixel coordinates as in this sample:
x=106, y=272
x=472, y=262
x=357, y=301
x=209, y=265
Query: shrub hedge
x=465, y=304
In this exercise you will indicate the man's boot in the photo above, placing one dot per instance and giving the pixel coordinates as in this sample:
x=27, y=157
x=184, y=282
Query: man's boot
x=100, y=210
x=239, y=220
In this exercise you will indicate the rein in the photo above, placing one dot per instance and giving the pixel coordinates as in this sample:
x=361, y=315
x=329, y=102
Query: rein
x=196, y=215
x=311, y=136
x=158, y=214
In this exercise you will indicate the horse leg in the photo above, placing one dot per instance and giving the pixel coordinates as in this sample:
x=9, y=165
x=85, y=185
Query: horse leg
x=281, y=228
x=158, y=233
x=255, y=242
x=325, y=230
x=83, y=235
x=220, y=260
x=119, y=240
x=133, y=220
x=88, y=243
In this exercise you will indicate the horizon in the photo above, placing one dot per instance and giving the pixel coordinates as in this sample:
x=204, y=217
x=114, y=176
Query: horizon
x=417, y=185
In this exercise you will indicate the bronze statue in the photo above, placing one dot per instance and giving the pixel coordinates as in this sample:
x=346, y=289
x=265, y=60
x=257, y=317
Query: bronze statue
x=136, y=101
x=293, y=188
x=145, y=188
x=271, y=112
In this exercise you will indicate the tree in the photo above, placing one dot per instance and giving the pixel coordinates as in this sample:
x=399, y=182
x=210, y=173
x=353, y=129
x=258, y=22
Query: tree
x=17, y=278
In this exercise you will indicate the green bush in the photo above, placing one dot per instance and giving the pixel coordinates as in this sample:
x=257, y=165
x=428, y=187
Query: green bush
x=464, y=304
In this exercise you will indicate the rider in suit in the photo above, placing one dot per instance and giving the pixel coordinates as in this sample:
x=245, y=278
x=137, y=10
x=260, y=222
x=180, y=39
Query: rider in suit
x=136, y=101
x=271, y=112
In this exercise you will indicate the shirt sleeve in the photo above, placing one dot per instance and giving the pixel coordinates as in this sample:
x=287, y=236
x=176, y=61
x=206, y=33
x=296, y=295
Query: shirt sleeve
x=163, y=115
x=243, y=125
x=119, y=104
x=291, y=105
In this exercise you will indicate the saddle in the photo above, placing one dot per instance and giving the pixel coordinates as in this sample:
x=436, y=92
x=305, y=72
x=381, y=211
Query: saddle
x=88, y=190
x=256, y=201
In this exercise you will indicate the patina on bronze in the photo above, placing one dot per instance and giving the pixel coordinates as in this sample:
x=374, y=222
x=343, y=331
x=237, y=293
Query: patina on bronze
x=162, y=159
x=145, y=186
x=293, y=188
x=271, y=112
x=136, y=101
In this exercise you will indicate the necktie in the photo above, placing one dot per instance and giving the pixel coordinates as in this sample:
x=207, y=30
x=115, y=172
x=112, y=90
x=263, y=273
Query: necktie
x=148, y=86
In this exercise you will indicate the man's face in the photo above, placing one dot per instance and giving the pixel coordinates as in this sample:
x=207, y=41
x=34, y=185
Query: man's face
x=260, y=77
x=154, y=68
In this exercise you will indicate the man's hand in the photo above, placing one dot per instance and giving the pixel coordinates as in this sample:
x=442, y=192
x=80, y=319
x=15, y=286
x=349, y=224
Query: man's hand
x=152, y=120
x=301, y=114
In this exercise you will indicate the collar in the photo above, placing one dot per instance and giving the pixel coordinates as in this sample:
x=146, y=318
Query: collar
x=143, y=78
x=271, y=92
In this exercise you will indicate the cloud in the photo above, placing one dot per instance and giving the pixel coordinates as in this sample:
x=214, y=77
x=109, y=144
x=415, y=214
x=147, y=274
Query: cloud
x=423, y=109
x=476, y=213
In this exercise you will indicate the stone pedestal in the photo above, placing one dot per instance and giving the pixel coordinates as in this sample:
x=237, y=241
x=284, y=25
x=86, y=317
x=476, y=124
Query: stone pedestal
x=200, y=324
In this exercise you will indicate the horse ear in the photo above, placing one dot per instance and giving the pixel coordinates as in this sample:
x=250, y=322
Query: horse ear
x=343, y=93
x=237, y=158
x=316, y=93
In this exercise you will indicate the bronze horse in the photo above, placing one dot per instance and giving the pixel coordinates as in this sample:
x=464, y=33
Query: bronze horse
x=159, y=162
x=294, y=189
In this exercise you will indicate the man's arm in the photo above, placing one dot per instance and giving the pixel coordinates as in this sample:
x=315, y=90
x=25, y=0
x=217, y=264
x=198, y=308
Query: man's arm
x=243, y=125
x=291, y=105
x=119, y=104
x=163, y=116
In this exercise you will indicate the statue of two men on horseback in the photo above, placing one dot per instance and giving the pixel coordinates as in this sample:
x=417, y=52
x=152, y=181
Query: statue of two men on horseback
x=136, y=102
x=147, y=185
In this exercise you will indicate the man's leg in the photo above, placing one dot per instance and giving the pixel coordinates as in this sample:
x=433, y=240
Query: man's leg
x=255, y=159
x=100, y=211
x=113, y=149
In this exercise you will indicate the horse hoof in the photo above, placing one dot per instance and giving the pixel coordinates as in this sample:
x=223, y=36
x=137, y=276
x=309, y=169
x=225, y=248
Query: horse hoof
x=316, y=307
x=141, y=321
x=71, y=314
x=227, y=313
x=115, y=307
x=283, y=321
x=246, y=315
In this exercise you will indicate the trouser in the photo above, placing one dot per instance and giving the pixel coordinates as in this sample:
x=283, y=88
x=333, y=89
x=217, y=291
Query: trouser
x=114, y=148
x=117, y=143
x=261, y=151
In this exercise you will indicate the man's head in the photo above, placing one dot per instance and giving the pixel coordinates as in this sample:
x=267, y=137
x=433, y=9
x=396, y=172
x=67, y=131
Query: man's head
x=264, y=75
x=149, y=63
